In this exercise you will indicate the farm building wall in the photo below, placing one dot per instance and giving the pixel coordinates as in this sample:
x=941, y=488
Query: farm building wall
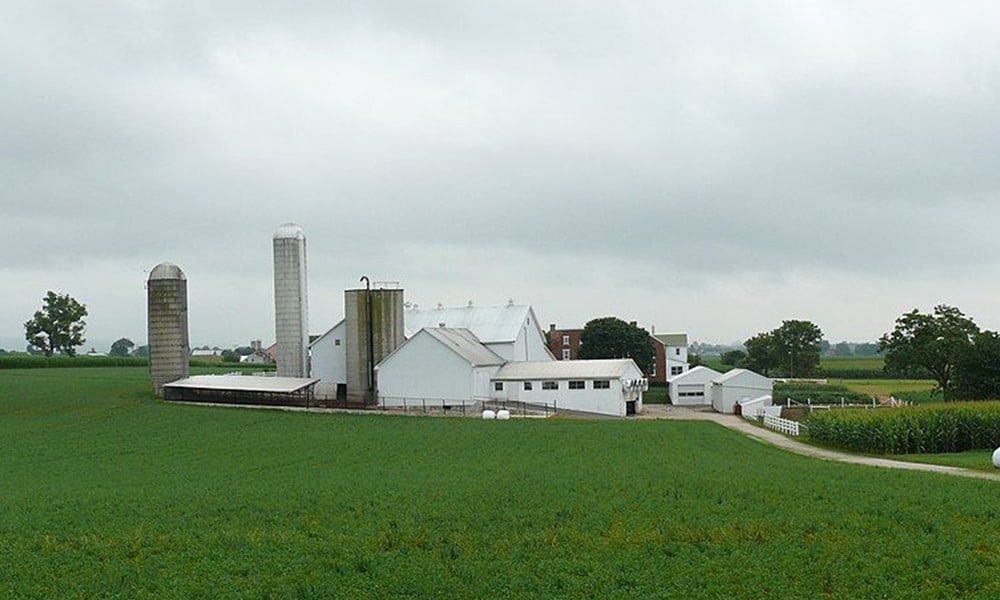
x=692, y=388
x=738, y=386
x=422, y=369
x=328, y=360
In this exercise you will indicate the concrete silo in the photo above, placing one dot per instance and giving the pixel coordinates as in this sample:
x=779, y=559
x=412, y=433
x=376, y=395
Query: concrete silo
x=291, y=307
x=167, y=325
x=374, y=320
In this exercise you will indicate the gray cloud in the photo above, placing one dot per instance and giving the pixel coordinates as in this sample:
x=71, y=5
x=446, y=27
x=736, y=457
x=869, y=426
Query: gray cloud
x=492, y=148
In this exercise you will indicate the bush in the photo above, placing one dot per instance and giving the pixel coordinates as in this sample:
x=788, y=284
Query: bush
x=818, y=393
x=912, y=430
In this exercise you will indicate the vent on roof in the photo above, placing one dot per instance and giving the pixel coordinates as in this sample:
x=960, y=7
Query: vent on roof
x=441, y=324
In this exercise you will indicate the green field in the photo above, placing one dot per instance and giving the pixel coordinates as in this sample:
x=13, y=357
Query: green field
x=110, y=494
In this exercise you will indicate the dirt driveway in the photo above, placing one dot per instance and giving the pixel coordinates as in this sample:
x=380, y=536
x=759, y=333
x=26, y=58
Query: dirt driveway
x=679, y=413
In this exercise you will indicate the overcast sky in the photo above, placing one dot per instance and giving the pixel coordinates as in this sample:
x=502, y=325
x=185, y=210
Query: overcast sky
x=712, y=168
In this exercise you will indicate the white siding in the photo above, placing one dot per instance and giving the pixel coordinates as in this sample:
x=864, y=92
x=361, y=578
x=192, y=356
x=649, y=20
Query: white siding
x=729, y=390
x=329, y=360
x=610, y=401
x=697, y=380
x=424, y=369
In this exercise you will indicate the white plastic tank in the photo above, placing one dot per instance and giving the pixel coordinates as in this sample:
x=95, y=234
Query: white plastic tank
x=996, y=458
x=489, y=415
x=503, y=414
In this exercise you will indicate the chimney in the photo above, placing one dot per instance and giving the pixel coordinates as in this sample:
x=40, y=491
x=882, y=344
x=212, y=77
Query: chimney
x=633, y=323
x=552, y=326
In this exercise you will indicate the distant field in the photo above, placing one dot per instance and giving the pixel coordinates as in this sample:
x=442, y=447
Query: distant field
x=108, y=493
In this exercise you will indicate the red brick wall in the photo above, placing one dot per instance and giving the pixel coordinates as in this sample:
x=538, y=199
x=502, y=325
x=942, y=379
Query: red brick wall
x=556, y=342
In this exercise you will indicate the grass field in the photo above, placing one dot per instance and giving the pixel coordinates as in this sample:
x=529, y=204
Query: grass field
x=110, y=494
x=980, y=460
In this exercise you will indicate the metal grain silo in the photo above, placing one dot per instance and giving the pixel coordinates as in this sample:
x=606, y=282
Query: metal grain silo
x=167, y=325
x=374, y=320
x=291, y=307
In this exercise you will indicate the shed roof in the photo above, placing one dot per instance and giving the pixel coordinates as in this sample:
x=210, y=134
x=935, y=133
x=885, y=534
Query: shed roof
x=737, y=374
x=700, y=373
x=320, y=338
x=464, y=343
x=243, y=383
x=567, y=369
x=490, y=324
x=672, y=339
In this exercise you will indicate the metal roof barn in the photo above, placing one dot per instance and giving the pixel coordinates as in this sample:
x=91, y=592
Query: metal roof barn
x=243, y=389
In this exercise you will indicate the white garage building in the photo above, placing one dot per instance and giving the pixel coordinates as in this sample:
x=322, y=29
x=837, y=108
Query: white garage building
x=607, y=387
x=692, y=388
x=437, y=367
x=738, y=386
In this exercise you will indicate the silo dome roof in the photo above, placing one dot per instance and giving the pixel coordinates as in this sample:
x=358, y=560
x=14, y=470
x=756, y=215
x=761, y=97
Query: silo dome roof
x=290, y=230
x=166, y=270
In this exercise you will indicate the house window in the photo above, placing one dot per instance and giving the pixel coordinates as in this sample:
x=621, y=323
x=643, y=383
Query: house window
x=527, y=386
x=602, y=384
x=576, y=385
x=652, y=370
x=550, y=385
x=676, y=370
x=677, y=351
x=498, y=386
x=565, y=353
x=336, y=342
x=565, y=340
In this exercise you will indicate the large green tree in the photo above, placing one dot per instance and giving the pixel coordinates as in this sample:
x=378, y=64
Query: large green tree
x=798, y=346
x=610, y=337
x=931, y=343
x=791, y=349
x=977, y=368
x=58, y=326
x=121, y=347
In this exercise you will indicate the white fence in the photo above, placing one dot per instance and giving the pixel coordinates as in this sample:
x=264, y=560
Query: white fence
x=783, y=425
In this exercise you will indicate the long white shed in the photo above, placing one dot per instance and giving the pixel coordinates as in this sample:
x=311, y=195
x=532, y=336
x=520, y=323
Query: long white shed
x=693, y=387
x=738, y=386
x=437, y=367
x=606, y=387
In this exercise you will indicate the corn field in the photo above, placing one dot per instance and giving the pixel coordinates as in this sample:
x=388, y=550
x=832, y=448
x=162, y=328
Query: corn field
x=911, y=430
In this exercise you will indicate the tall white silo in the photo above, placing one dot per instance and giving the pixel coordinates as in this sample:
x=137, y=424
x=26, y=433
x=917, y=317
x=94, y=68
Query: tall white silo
x=167, y=325
x=291, y=306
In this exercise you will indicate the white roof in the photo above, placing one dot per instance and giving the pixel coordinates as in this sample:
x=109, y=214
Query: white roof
x=567, y=369
x=328, y=332
x=290, y=231
x=465, y=344
x=490, y=324
x=700, y=373
x=166, y=270
x=735, y=373
x=243, y=383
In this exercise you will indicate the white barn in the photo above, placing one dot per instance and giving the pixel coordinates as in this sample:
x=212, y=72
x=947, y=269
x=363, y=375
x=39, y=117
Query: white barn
x=606, y=387
x=328, y=360
x=437, y=366
x=511, y=331
x=737, y=387
x=692, y=388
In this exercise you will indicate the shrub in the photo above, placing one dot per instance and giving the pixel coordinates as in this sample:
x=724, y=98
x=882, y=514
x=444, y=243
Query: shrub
x=912, y=430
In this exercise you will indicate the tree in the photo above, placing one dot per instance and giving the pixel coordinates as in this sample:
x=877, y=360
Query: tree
x=977, y=368
x=931, y=343
x=793, y=348
x=866, y=349
x=694, y=360
x=842, y=349
x=230, y=356
x=797, y=344
x=610, y=337
x=121, y=347
x=58, y=327
x=142, y=351
x=732, y=357
x=761, y=355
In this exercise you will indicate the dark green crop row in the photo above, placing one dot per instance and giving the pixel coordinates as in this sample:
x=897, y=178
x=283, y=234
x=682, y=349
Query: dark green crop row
x=915, y=429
